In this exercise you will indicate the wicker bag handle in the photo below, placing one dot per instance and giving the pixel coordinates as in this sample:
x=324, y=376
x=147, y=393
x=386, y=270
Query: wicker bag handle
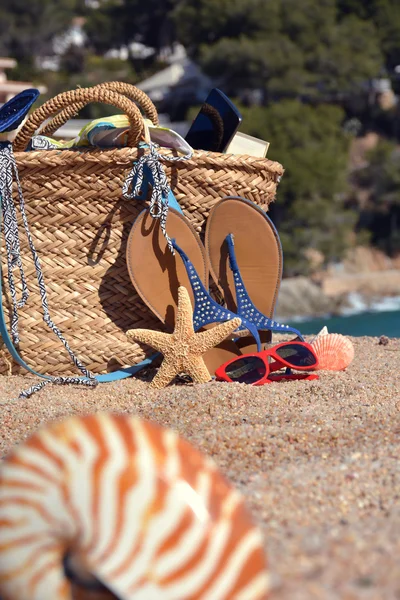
x=81, y=97
x=126, y=89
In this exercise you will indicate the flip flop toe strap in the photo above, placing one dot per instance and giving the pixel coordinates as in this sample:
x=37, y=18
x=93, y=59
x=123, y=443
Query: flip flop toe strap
x=206, y=309
x=245, y=307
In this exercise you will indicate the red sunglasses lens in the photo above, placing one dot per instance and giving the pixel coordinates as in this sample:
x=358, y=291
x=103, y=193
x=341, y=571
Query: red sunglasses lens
x=249, y=369
x=296, y=355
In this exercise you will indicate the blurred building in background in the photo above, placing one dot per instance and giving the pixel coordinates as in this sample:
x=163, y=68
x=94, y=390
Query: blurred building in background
x=8, y=89
x=177, y=87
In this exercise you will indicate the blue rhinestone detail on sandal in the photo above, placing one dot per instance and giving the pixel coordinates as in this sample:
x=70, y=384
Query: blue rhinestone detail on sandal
x=245, y=307
x=206, y=309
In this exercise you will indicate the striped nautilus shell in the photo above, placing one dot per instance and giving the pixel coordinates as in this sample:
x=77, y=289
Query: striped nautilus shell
x=108, y=506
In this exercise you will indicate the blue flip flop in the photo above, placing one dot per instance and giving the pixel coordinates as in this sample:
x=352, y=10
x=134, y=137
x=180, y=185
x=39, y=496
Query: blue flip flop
x=245, y=257
x=13, y=112
x=157, y=274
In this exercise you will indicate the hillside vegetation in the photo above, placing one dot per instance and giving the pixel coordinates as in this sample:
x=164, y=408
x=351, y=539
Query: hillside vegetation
x=308, y=76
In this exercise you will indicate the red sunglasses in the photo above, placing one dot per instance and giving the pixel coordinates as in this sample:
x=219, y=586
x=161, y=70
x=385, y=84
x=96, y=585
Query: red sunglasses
x=255, y=369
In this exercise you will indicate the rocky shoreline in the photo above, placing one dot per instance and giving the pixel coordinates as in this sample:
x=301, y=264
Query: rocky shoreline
x=365, y=273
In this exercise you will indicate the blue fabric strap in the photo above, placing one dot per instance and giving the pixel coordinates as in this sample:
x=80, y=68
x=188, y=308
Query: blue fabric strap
x=148, y=179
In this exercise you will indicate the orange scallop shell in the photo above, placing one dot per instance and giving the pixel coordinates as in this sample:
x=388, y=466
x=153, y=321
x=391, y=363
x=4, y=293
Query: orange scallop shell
x=335, y=352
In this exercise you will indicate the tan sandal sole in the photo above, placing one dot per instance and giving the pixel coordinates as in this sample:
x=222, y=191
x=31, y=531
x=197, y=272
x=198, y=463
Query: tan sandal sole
x=156, y=273
x=258, y=252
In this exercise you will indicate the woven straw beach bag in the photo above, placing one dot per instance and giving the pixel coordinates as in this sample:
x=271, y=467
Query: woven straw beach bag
x=79, y=221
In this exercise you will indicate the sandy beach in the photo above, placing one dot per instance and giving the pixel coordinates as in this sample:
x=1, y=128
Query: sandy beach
x=317, y=461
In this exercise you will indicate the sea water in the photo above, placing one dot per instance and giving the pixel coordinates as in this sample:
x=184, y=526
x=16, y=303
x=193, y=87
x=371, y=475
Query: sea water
x=381, y=318
x=367, y=323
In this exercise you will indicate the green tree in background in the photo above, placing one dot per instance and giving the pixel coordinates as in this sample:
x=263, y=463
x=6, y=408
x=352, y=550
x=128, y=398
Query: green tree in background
x=297, y=60
x=382, y=213
x=118, y=23
x=385, y=14
x=387, y=20
x=310, y=208
x=28, y=29
x=283, y=47
x=365, y=9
